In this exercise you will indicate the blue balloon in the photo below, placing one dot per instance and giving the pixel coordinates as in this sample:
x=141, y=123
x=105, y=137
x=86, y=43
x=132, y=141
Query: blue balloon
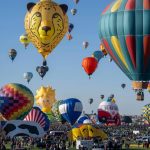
x=98, y=55
x=84, y=120
x=71, y=109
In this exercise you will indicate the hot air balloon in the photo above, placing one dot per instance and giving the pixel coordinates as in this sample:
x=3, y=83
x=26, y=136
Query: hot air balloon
x=16, y=101
x=42, y=70
x=111, y=97
x=28, y=76
x=71, y=109
x=69, y=36
x=108, y=113
x=71, y=26
x=45, y=98
x=86, y=131
x=12, y=54
x=146, y=113
x=89, y=64
x=103, y=50
x=85, y=44
x=127, y=39
x=84, y=120
x=56, y=113
x=110, y=59
x=123, y=85
x=76, y=1
x=46, y=23
x=98, y=55
x=24, y=40
x=90, y=101
x=73, y=11
x=102, y=96
x=38, y=116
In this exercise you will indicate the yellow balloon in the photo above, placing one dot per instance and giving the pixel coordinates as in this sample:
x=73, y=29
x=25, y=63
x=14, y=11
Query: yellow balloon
x=86, y=131
x=24, y=40
x=46, y=24
x=45, y=98
x=74, y=134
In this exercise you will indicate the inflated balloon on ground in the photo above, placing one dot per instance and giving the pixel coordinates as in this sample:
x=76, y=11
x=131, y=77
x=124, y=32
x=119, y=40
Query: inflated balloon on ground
x=71, y=109
x=38, y=116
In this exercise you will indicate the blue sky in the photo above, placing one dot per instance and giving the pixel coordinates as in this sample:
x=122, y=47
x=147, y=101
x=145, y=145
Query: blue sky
x=66, y=74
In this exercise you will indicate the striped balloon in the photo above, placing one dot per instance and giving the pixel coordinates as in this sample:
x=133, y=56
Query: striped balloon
x=38, y=116
x=125, y=33
x=16, y=100
x=71, y=109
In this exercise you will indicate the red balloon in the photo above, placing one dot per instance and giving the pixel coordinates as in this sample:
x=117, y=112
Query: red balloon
x=89, y=64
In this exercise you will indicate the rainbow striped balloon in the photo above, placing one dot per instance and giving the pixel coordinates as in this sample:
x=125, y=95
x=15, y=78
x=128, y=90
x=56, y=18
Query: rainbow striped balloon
x=16, y=100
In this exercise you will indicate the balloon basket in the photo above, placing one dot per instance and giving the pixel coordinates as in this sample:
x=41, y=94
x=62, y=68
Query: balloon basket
x=140, y=96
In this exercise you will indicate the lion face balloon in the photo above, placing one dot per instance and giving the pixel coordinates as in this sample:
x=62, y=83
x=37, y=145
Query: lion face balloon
x=46, y=24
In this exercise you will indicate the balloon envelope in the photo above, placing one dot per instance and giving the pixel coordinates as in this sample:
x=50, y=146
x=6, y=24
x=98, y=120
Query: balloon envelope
x=16, y=101
x=45, y=98
x=46, y=27
x=123, y=85
x=89, y=64
x=71, y=109
x=108, y=113
x=55, y=110
x=98, y=55
x=90, y=100
x=24, y=40
x=73, y=11
x=38, y=116
x=85, y=44
x=128, y=41
x=12, y=54
x=28, y=76
x=71, y=26
x=86, y=131
x=84, y=120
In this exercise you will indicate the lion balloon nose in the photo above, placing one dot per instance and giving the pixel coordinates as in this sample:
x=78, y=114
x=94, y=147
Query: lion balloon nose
x=46, y=28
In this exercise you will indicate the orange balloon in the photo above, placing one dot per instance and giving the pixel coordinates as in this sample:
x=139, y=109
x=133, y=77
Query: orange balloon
x=89, y=64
